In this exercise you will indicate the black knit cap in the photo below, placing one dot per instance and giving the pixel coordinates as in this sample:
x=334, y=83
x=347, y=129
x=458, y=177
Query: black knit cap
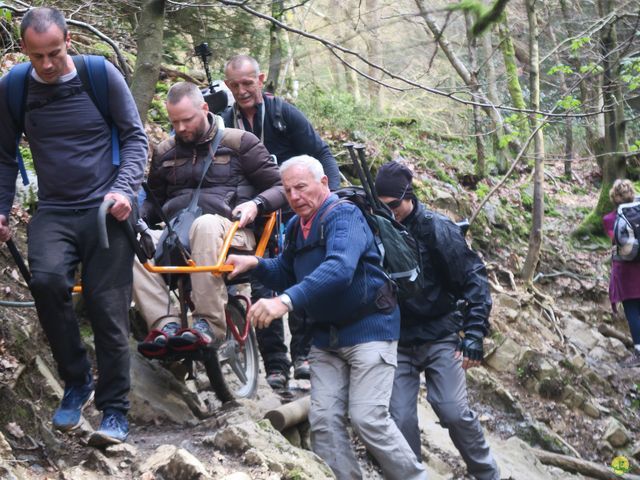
x=394, y=180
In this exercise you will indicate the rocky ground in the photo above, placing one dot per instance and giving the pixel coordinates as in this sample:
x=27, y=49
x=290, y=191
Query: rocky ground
x=551, y=395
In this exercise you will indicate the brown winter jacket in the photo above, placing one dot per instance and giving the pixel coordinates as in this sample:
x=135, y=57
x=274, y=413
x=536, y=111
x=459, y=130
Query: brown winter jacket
x=241, y=171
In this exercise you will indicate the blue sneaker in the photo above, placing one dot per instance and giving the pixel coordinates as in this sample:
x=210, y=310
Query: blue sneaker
x=75, y=398
x=114, y=429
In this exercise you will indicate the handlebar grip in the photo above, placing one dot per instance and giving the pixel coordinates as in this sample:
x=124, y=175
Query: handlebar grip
x=128, y=228
x=102, y=222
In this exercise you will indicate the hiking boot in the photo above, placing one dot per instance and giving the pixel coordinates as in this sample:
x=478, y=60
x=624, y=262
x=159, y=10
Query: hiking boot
x=632, y=361
x=301, y=369
x=75, y=398
x=155, y=343
x=169, y=330
x=191, y=339
x=277, y=380
x=114, y=429
x=200, y=332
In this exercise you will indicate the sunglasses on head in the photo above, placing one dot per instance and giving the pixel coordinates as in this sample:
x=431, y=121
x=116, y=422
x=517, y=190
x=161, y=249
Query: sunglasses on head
x=398, y=201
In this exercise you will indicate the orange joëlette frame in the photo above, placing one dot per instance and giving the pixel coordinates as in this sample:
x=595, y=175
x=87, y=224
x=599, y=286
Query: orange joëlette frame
x=219, y=268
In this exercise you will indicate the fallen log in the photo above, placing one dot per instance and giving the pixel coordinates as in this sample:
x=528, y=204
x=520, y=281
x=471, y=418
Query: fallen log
x=578, y=465
x=289, y=414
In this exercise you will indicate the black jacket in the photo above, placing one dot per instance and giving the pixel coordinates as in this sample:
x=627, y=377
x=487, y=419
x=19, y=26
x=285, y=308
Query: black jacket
x=456, y=294
x=287, y=133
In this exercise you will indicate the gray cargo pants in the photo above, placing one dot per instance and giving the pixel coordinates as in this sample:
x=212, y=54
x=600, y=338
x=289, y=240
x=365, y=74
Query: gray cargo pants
x=358, y=380
x=447, y=394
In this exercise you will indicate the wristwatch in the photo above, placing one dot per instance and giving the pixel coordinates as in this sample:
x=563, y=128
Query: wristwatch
x=284, y=298
x=259, y=203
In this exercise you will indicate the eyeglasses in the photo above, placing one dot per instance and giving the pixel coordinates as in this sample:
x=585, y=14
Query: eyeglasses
x=393, y=204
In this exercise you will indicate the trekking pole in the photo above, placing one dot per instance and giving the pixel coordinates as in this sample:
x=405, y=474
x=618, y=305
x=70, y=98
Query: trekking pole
x=15, y=253
x=360, y=172
x=372, y=186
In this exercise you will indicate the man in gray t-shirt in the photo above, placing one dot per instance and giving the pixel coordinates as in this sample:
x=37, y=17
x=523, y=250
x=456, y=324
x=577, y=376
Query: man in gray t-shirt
x=70, y=142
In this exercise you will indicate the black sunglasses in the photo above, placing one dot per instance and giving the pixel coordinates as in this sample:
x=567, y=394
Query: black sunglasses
x=393, y=204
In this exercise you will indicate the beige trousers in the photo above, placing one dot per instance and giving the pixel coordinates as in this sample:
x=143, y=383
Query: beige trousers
x=208, y=291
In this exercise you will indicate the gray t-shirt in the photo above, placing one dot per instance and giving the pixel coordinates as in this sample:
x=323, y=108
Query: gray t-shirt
x=71, y=144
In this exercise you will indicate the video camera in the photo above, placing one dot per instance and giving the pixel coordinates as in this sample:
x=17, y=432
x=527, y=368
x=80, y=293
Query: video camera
x=216, y=93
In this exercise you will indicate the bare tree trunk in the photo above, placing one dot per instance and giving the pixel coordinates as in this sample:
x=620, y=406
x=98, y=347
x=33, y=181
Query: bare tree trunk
x=568, y=124
x=494, y=98
x=537, y=216
x=275, y=47
x=149, y=35
x=574, y=61
x=460, y=68
x=614, y=164
x=374, y=51
x=350, y=77
x=511, y=68
x=477, y=125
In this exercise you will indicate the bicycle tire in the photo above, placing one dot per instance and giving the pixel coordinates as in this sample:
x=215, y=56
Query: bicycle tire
x=236, y=375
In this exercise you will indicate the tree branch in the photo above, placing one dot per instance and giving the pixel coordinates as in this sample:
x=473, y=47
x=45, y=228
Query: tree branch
x=121, y=60
x=331, y=45
x=511, y=168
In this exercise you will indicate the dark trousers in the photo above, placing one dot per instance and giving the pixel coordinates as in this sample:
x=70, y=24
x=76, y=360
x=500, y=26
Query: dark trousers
x=447, y=394
x=632, y=312
x=271, y=339
x=58, y=242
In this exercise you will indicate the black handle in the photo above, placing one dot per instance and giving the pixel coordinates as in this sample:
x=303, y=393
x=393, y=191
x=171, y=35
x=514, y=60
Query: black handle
x=372, y=185
x=363, y=179
x=15, y=253
x=103, y=211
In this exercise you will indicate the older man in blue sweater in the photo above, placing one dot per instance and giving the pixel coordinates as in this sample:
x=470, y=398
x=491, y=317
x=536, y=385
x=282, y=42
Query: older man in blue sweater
x=331, y=270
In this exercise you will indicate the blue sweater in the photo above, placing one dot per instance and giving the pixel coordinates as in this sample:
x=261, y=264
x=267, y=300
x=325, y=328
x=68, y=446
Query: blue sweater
x=334, y=281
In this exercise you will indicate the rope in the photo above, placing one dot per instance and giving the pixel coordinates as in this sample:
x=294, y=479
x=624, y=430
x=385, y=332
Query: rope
x=7, y=303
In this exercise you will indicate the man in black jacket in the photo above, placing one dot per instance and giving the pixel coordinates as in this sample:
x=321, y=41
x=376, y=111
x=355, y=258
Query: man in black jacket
x=286, y=133
x=455, y=298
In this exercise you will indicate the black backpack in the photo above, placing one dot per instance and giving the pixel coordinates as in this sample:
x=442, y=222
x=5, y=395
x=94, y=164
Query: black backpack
x=399, y=252
x=626, y=232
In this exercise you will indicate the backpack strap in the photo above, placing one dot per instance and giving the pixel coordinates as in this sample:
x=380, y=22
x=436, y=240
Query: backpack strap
x=277, y=119
x=16, y=98
x=292, y=234
x=92, y=70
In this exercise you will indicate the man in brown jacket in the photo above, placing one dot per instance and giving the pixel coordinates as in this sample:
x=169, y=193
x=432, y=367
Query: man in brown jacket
x=241, y=182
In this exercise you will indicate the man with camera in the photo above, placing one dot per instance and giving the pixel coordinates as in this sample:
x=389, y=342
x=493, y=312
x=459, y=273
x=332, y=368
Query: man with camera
x=286, y=133
x=240, y=182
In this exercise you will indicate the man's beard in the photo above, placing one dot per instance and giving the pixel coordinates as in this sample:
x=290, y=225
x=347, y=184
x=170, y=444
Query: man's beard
x=195, y=139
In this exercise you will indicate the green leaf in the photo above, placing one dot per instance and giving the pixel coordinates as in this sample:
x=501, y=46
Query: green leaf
x=569, y=103
x=566, y=69
x=578, y=43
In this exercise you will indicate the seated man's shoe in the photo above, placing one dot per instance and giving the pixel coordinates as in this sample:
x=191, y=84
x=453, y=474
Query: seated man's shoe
x=301, y=369
x=277, y=380
x=75, y=398
x=191, y=339
x=155, y=344
x=114, y=429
